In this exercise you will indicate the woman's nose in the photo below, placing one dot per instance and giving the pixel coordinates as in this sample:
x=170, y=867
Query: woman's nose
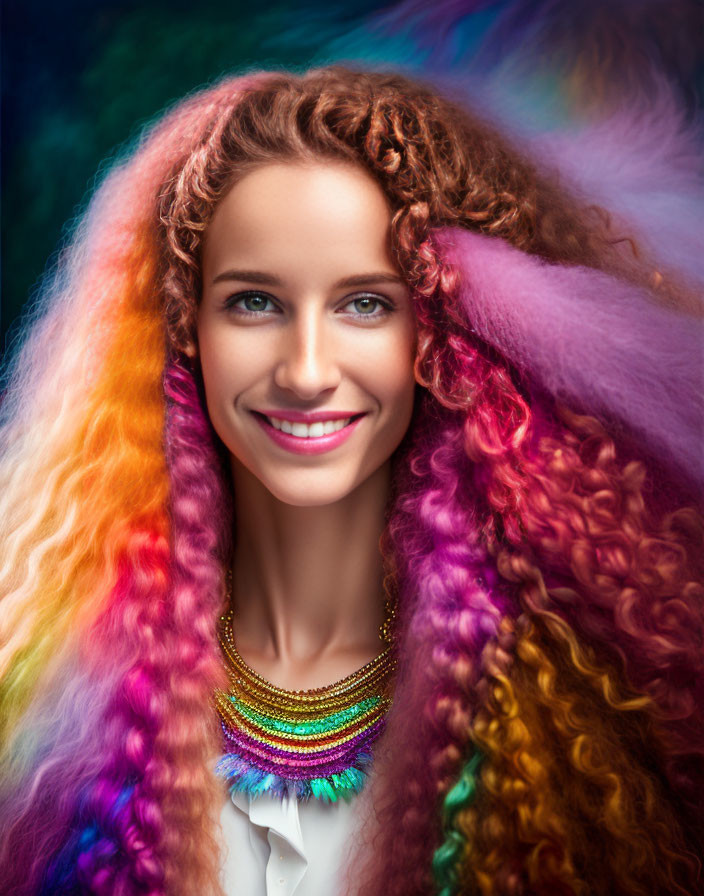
x=307, y=363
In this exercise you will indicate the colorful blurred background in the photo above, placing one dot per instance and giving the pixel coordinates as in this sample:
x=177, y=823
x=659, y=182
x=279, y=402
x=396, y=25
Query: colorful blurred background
x=81, y=79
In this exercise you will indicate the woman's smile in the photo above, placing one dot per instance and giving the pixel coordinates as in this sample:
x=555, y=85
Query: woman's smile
x=304, y=438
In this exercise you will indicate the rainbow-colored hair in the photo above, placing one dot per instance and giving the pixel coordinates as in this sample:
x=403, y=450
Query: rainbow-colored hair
x=544, y=536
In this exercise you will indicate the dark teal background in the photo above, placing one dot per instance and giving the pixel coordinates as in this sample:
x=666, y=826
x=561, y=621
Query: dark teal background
x=80, y=79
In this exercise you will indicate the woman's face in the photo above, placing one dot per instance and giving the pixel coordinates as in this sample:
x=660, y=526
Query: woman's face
x=306, y=329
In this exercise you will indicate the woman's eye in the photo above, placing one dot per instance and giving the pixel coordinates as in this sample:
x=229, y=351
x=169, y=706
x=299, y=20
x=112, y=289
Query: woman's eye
x=366, y=306
x=249, y=302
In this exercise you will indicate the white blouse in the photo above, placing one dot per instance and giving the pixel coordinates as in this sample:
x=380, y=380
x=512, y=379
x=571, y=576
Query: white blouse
x=282, y=848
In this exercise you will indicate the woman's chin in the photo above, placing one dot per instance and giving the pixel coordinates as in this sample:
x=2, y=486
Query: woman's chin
x=309, y=494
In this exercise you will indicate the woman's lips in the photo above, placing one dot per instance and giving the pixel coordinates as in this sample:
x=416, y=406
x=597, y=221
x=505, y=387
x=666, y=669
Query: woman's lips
x=312, y=444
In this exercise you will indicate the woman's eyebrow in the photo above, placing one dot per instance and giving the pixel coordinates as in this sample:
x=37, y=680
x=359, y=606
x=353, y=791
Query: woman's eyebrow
x=264, y=279
x=249, y=277
x=361, y=279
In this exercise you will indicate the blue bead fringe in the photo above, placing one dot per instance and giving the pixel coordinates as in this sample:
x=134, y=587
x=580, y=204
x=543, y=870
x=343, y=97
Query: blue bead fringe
x=241, y=775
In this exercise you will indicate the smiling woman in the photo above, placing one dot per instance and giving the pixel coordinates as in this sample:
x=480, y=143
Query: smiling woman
x=364, y=554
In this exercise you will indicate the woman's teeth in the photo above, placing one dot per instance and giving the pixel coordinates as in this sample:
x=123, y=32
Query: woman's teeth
x=312, y=431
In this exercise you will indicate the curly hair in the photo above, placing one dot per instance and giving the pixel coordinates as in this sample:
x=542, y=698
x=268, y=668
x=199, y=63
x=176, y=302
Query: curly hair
x=437, y=164
x=549, y=696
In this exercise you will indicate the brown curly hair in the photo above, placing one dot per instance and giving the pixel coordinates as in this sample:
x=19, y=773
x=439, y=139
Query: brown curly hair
x=436, y=162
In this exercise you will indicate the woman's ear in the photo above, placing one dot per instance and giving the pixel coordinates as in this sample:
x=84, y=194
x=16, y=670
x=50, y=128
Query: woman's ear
x=417, y=376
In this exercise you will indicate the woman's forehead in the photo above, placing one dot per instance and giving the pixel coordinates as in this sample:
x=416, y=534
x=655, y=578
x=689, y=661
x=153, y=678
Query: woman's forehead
x=291, y=215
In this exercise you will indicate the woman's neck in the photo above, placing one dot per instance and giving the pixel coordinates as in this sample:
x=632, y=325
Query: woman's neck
x=307, y=582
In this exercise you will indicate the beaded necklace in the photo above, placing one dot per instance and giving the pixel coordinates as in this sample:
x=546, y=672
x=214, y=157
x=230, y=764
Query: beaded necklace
x=314, y=743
